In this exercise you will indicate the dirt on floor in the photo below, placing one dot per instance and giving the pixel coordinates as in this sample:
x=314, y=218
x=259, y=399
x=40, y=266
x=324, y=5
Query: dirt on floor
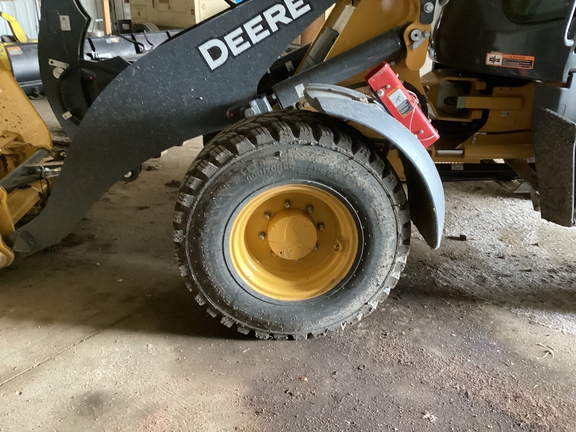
x=99, y=332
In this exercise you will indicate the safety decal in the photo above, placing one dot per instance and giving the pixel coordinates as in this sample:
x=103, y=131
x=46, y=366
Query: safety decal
x=509, y=60
x=14, y=50
x=65, y=23
x=401, y=102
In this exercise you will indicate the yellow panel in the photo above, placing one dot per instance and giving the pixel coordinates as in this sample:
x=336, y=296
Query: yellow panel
x=6, y=255
x=502, y=120
x=21, y=201
x=6, y=224
x=18, y=203
x=481, y=147
x=17, y=114
x=4, y=55
x=500, y=146
x=492, y=102
x=373, y=18
x=415, y=58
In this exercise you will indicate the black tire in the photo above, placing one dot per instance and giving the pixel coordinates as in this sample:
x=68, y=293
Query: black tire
x=147, y=26
x=209, y=137
x=286, y=148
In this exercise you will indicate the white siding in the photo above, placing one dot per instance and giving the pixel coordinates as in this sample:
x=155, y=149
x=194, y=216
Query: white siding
x=26, y=12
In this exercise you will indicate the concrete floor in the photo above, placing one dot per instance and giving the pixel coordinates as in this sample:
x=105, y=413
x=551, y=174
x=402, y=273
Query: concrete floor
x=99, y=332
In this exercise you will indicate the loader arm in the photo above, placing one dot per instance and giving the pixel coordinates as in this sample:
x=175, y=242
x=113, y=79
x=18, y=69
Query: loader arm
x=180, y=90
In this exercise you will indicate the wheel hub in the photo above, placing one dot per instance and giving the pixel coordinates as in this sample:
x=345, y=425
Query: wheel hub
x=292, y=234
x=293, y=242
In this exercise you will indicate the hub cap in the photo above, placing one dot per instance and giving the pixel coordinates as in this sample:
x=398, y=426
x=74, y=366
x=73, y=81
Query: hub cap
x=292, y=234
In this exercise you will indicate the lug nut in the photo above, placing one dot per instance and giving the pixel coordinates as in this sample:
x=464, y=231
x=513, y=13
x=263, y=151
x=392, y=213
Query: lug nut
x=320, y=226
x=287, y=204
x=309, y=209
x=267, y=215
x=262, y=235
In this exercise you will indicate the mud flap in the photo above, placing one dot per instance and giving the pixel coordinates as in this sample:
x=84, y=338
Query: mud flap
x=554, y=147
x=180, y=90
x=425, y=191
x=554, y=138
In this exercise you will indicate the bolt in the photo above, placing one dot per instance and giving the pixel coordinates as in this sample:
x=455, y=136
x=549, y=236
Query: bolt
x=415, y=35
x=249, y=112
x=262, y=235
x=320, y=226
x=310, y=209
x=387, y=86
x=426, y=34
x=420, y=132
x=428, y=7
x=267, y=215
x=380, y=93
x=287, y=204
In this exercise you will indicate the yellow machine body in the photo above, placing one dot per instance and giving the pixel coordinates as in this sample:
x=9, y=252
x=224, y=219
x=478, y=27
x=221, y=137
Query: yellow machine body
x=506, y=135
x=23, y=132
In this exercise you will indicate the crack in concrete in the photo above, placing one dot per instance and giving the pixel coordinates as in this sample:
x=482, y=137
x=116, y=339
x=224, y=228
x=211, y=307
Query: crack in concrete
x=52, y=356
x=84, y=339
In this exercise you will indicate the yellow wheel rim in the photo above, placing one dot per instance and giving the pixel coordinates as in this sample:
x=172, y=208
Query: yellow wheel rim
x=293, y=242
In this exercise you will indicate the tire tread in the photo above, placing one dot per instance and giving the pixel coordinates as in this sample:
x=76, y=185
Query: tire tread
x=288, y=126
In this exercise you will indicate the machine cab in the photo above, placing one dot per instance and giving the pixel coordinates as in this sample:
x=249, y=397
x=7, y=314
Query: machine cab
x=529, y=39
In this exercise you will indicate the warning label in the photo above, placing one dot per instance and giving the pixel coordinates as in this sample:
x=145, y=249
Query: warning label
x=401, y=102
x=14, y=50
x=509, y=61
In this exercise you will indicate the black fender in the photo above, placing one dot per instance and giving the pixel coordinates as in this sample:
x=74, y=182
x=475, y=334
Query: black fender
x=166, y=97
x=425, y=191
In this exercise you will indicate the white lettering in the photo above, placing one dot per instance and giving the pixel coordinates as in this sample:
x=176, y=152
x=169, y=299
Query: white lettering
x=216, y=52
x=297, y=8
x=213, y=58
x=236, y=42
x=255, y=31
x=276, y=14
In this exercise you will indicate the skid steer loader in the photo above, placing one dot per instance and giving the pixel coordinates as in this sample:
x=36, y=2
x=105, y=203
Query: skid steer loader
x=293, y=221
